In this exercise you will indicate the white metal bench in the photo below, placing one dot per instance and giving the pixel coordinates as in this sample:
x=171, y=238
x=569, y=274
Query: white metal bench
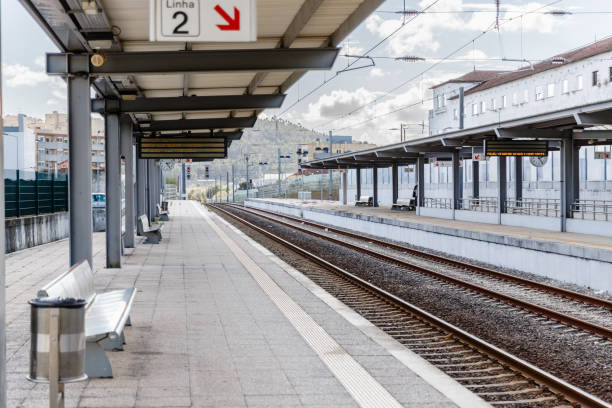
x=404, y=204
x=152, y=233
x=163, y=215
x=106, y=314
x=365, y=201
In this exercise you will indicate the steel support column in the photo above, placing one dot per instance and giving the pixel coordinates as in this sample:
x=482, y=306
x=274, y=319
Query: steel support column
x=420, y=173
x=570, y=181
x=345, y=187
x=457, y=193
x=475, y=178
x=141, y=189
x=358, y=184
x=151, y=190
x=518, y=178
x=375, y=186
x=127, y=152
x=184, y=183
x=79, y=155
x=113, y=191
x=502, y=187
x=395, y=182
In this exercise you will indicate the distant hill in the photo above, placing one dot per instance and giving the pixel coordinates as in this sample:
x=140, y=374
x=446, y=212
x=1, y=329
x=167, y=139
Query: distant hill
x=261, y=143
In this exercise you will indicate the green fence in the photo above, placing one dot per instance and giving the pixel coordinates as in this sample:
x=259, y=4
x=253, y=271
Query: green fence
x=33, y=193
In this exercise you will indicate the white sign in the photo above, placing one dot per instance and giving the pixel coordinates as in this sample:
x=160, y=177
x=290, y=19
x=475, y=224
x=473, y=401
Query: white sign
x=445, y=163
x=602, y=155
x=203, y=20
x=479, y=157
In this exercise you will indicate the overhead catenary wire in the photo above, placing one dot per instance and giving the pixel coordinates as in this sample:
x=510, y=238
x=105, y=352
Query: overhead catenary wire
x=375, y=46
x=432, y=66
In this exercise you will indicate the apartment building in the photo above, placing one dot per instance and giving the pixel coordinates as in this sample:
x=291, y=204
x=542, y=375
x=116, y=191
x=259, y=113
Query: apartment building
x=320, y=148
x=578, y=77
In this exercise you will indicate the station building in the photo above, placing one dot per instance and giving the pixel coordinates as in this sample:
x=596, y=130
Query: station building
x=570, y=80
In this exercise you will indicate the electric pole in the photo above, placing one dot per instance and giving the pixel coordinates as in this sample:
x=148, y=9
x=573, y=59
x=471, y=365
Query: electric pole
x=331, y=172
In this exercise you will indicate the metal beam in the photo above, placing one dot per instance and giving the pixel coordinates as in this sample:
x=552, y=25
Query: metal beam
x=593, y=135
x=196, y=124
x=396, y=154
x=362, y=12
x=161, y=62
x=528, y=134
x=187, y=103
x=593, y=119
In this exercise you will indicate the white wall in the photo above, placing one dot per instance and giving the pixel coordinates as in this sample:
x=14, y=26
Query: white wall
x=589, y=94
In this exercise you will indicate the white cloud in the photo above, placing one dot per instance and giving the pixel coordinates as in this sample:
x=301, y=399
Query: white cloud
x=422, y=32
x=377, y=72
x=20, y=75
x=373, y=120
x=60, y=94
x=41, y=61
x=52, y=102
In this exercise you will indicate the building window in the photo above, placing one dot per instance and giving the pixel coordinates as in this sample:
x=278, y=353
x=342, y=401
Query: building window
x=59, y=139
x=483, y=107
x=504, y=101
x=579, y=83
x=444, y=99
x=493, y=104
x=455, y=114
x=539, y=93
x=526, y=96
x=595, y=78
x=550, y=90
x=565, y=86
x=515, y=99
x=610, y=77
x=436, y=102
x=474, y=109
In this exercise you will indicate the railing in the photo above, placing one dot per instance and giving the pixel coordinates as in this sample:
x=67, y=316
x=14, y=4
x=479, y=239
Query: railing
x=598, y=210
x=446, y=203
x=34, y=193
x=543, y=207
x=482, y=204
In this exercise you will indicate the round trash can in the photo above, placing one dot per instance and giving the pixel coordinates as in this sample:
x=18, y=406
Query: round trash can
x=71, y=332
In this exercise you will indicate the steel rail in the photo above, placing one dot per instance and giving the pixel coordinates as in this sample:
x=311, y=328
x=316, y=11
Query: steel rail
x=569, y=294
x=569, y=391
x=522, y=304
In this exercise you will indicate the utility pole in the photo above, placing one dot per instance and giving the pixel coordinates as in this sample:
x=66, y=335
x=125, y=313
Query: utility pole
x=183, y=184
x=331, y=172
x=279, y=160
x=227, y=186
x=246, y=157
x=233, y=186
x=279, y=173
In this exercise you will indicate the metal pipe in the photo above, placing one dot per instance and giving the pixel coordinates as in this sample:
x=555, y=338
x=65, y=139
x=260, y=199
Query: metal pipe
x=141, y=189
x=113, y=191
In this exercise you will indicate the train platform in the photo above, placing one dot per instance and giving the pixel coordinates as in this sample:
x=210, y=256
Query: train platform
x=219, y=321
x=575, y=258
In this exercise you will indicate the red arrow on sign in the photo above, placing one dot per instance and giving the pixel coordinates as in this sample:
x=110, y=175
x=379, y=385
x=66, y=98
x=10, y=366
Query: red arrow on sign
x=233, y=24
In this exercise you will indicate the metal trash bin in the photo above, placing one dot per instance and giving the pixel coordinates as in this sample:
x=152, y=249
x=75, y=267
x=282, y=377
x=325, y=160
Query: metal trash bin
x=68, y=316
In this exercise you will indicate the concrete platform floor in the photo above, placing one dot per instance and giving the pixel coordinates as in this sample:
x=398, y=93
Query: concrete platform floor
x=220, y=322
x=585, y=240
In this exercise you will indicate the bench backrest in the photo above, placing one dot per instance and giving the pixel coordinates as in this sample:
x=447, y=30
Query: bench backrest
x=366, y=199
x=144, y=222
x=403, y=201
x=77, y=283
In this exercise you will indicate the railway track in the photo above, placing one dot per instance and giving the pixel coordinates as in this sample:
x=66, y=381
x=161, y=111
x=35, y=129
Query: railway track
x=495, y=375
x=570, y=308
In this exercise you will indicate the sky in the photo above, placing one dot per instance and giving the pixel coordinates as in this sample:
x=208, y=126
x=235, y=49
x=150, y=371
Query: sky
x=374, y=97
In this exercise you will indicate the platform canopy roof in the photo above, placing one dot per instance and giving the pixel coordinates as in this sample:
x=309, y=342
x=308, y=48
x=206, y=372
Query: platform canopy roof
x=587, y=125
x=178, y=87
